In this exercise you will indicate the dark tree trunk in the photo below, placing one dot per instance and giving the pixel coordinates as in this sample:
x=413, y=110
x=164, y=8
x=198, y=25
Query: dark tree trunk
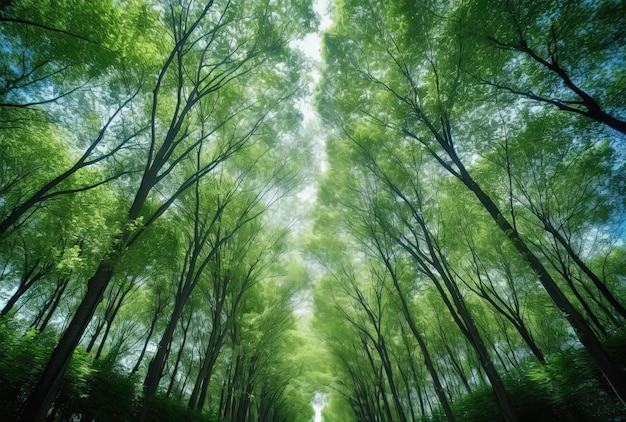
x=45, y=392
x=157, y=363
x=457, y=367
x=198, y=395
x=428, y=361
x=105, y=336
x=153, y=322
x=113, y=308
x=430, y=366
x=588, y=311
x=27, y=281
x=96, y=334
x=45, y=314
x=602, y=288
x=436, y=268
x=613, y=373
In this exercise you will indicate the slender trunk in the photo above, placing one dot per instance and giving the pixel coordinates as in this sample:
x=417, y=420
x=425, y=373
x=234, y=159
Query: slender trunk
x=235, y=382
x=31, y=274
x=432, y=371
x=145, y=344
x=430, y=366
x=45, y=392
x=172, y=383
x=458, y=368
x=530, y=342
x=157, y=363
x=598, y=302
x=105, y=335
x=203, y=391
x=198, y=395
x=24, y=286
x=499, y=356
x=602, y=288
x=384, y=357
x=94, y=337
x=466, y=323
x=378, y=396
x=44, y=317
x=110, y=314
x=516, y=320
x=588, y=311
x=443, y=280
x=205, y=383
x=512, y=356
x=613, y=373
x=190, y=277
x=223, y=393
x=407, y=387
x=183, y=386
x=420, y=395
x=228, y=391
x=210, y=356
x=55, y=303
x=242, y=409
x=504, y=402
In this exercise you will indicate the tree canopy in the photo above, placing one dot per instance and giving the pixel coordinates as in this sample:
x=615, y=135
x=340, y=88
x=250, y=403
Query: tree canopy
x=198, y=221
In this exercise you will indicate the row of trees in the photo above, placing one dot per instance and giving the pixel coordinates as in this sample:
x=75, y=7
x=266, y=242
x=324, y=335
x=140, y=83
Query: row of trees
x=470, y=223
x=477, y=179
x=142, y=145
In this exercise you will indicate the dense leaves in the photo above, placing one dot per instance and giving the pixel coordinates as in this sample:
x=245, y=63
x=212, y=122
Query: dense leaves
x=478, y=205
x=462, y=260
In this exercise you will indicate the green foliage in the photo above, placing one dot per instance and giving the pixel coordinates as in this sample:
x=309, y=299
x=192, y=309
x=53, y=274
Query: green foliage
x=92, y=390
x=22, y=357
x=168, y=409
x=412, y=93
x=568, y=388
x=109, y=394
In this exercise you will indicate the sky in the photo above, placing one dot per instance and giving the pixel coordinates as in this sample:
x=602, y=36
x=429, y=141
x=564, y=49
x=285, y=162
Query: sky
x=311, y=46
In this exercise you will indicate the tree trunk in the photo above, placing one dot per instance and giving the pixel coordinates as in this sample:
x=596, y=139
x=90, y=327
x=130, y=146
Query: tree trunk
x=145, y=344
x=592, y=316
x=613, y=373
x=504, y=403
x=45, y=392
x=105, y=335
x=443, y=279
x=585, y=269
x=430, y=366
x=94, y=337
x=45, y=315
x=28, y=279
x=198, y=395
x=179, y=356
x=456, y=365
x=384, y=357
x=157, y=363
x=516, y=320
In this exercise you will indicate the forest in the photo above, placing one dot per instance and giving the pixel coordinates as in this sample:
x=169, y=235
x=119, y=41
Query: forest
x=200, y=220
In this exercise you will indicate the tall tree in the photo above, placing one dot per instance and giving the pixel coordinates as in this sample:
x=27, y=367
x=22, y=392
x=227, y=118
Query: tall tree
x=422, y=89
x=198, y=102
